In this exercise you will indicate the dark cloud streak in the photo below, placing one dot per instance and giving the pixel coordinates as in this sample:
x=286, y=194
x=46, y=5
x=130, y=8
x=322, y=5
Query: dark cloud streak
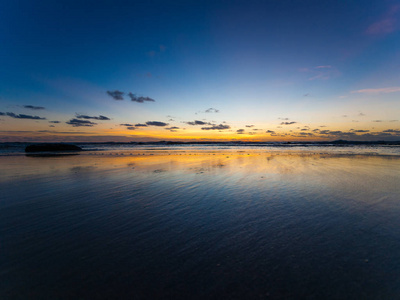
x=100, y=118
x=116, y=95
x=140, y=99
x=156, y=123
x=33, y=107
x=22, y=116
x=217, y=127
x=80, y=123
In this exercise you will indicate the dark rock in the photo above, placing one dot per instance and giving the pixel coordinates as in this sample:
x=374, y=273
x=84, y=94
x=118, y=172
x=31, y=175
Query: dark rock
x=52, y=147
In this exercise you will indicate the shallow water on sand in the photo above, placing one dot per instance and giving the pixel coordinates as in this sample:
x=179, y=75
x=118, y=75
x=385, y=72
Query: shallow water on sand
x=225, y=225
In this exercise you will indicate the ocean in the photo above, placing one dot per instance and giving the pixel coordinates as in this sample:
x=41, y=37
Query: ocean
x=213, y=221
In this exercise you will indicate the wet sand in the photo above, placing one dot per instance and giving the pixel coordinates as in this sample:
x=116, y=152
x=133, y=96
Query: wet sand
x=200, y=225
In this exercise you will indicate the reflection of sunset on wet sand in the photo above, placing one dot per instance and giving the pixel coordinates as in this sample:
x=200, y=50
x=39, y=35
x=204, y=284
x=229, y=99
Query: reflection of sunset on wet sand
x=227, y=223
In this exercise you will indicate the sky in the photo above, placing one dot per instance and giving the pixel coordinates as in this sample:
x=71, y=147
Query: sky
x=97, y=71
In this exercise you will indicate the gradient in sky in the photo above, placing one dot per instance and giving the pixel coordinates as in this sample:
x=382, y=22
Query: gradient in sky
x=199, y=70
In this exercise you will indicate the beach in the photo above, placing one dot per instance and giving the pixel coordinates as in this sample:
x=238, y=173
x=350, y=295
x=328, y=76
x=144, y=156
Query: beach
x=203, y=223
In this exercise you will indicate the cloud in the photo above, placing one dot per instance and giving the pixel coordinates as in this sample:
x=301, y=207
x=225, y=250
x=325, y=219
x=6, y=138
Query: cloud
x=240, y=131
x=116, y=95
x=22, y=116
x=270, y=131
x=156, y=123
x=387, y=24
x=285, y=119
x=377, y=121
x=33, y=107
x=392, y=131
x=152, y=53
x=80, y=123
x=139, y=99
x=211, y=110
x=54, y=122
x=131, y=128
x=197, y=122
x=148, y=75
x=140, y=125
x=361, y=114
x=126, y=124
x=386, y=90
x=216, y=127
x=172, y=129
x=288, y=123
x=100, y=118
x=2, y=114
x=306, y=95
x=249, y=126
x=357, y=135
x=321, y=72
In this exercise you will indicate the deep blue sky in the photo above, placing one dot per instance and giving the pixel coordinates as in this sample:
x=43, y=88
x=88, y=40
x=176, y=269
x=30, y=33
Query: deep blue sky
x=316, y=63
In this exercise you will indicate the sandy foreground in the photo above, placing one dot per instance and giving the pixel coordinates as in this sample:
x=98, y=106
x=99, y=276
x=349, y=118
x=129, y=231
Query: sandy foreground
x=200, y=225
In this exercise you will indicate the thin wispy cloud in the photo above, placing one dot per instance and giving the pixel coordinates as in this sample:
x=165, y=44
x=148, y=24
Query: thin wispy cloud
x=153, y=53
x=140, y=99
x=54, y=122
x=33, y=107
x=126, y=124
x=100, y=118
x=386, y=24
x=240, y=131
x=23, y=116
x=140, y=125
x=288, y=123
x=322, y=72
x=212, y=110
x=156, y=123
x=172, y=129
x=116, y=95
x=386, y=90
x=80, y=123
x=217, y=127
x=392, y=131
x=197, y=122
